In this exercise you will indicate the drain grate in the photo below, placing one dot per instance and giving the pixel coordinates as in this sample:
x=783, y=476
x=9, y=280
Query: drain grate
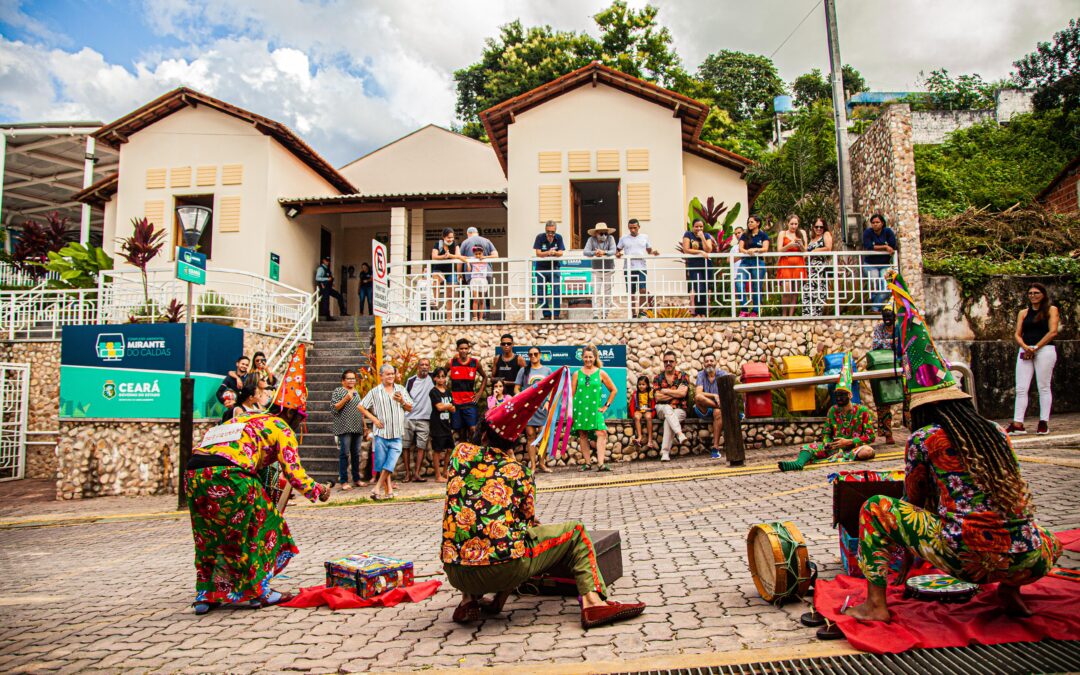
x=1048, y=656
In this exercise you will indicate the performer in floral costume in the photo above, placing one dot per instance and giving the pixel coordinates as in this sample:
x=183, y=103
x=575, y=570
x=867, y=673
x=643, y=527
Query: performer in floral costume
x=884, y=337
x=849, y=430
x=492, y=542
x=966, y=509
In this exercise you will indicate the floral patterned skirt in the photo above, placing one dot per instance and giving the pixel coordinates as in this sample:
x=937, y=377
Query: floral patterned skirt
x=241, y=541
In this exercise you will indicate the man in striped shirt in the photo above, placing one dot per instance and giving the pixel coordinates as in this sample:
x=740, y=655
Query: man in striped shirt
x=390, y=402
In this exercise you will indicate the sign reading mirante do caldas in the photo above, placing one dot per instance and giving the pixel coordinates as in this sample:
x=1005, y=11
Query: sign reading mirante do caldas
x=133, y=371
x=612, y=358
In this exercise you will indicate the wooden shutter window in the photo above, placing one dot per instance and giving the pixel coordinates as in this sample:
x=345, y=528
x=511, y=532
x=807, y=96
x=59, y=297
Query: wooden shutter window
x=155, y=179
x=639, y=200
x=228, y=214
x=637, y=160
x=180, y=177
x=232, y=174
x=607, y=160
x=550, y=203
x=579, y=160
x=549, y=162
x=154, y=211
x=206, y=175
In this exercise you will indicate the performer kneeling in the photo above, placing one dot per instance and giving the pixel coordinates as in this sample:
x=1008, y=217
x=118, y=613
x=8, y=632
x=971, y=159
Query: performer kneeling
x=492, y=542
x=979, y=523
x=241, y=540
x=849, y=430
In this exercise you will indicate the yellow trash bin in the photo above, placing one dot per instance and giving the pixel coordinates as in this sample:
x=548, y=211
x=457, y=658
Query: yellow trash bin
x=800, y=399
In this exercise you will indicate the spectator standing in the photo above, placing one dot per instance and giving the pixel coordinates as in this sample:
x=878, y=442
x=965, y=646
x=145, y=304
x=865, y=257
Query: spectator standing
x=642, y=410
x=418, y=421
x=587, y=389
x=549, y=246
x=464, y=370
x=390, y=402
x=443, y=273
x=697, y=244
x=737, y=272
x=791, y=269
x=533, y=373
x=816, y=290
x=601, y=248
x=233, y=383
x=506, y=365
x=442, y=434
x=884, y=337
x=635, y=246
x=753, y=244
x=1036, y=328
x=324, y=280
x=473, y=239
x=258, y=365
x=670, y=388
x=366, y=289
x=880, y=238
x=479, y=281
x=348, y=429
x=707, y=400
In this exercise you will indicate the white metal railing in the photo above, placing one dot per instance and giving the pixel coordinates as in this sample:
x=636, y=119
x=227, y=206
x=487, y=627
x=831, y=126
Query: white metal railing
x=14, y=402
x=723, y=286
x=12, y=276
x=40, y=313
x=301, y=332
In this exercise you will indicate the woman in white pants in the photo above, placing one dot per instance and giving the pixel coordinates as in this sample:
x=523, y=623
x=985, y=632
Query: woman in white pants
x=1036, y=328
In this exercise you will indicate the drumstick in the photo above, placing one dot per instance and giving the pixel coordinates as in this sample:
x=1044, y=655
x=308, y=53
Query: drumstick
x=844, y=607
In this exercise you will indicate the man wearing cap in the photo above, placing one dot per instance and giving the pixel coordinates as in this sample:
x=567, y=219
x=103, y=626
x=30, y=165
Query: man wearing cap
x=849, y=430
x=324, y=280
x=966, y=507
x=492, y=541
x=601, y=248
x=473, y=239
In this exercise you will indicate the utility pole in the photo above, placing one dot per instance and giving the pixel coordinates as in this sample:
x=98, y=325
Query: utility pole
x=843, y=166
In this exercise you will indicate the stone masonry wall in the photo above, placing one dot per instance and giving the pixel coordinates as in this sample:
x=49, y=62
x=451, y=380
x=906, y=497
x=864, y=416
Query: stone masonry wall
x=44, y=401
x=883, y=180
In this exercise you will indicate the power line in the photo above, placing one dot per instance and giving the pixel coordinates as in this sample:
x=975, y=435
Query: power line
x=796, y=28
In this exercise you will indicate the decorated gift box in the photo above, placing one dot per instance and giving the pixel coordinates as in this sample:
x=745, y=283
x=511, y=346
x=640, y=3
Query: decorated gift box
x=368, y=574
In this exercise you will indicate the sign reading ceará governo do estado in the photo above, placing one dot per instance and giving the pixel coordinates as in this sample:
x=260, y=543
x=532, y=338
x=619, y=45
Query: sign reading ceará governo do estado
x=133, y=371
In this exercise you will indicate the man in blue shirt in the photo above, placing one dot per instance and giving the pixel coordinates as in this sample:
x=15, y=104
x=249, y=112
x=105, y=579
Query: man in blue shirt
x=325, y=281
x=548, y=245
x=877, y=237
x=707, y=400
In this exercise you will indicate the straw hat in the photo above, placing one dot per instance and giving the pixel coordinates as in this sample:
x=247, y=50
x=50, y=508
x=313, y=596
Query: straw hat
x=600, y=227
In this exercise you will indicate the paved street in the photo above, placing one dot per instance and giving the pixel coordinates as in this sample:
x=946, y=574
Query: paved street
x=115, y=596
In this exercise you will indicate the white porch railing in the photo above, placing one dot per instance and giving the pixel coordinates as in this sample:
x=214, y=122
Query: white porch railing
x=40, y=313
x=830, y=284
x=12, y=276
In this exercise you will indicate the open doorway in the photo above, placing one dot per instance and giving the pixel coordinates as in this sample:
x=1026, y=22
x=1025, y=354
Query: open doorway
x=594, y=201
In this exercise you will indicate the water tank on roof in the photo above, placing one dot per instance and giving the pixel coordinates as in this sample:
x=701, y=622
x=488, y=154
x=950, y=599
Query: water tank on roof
x=782, y=104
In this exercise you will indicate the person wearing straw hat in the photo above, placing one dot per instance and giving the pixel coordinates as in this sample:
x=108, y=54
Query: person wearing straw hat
x=849, y=430
x=601, y=248
x=966, y=508
x=492, y=541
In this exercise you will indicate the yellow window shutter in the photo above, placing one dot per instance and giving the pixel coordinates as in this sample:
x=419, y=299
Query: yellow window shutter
x=637, y=159
x=607, y=160
x=180, y=177
x=579, y=160
x=154, y=211
x=155, y=179
x=639, y=200
x=549, y=162
x=550, y=203
x=228, y=214
x=232, y=174
x=206, y=175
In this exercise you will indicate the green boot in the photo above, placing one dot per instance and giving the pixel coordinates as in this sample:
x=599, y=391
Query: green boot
x=798, y=463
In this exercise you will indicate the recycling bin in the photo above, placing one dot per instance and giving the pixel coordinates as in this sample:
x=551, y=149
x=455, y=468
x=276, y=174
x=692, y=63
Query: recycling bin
x=758, y=403
x=799, y=399
x=886, y=392
x=833, y=364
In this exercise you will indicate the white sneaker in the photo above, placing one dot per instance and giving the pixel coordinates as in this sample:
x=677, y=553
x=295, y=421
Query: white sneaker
x=665, y=457
x=682, y=438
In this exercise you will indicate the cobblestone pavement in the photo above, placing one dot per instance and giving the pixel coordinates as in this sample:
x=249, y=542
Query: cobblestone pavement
x=113, y=596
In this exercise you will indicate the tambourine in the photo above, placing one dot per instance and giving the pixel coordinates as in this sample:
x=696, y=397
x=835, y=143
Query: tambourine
x=939, y=588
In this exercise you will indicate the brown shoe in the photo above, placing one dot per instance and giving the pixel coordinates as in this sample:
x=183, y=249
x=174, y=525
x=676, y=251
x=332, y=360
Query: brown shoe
x=591, y=617
x=467, y=612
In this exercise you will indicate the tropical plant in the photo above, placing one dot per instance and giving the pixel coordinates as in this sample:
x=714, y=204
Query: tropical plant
x=669, y=313
x=78, y=266
x=141, y=247
x=1054, y=70
x=37, y=239
x=710, y=212
x=174, y=312
x=148, y=312
x=813, y=86
x=944, y=92
x=212, y=305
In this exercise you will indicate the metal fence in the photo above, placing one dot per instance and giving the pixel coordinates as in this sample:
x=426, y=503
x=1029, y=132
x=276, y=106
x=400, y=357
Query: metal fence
x=14, y=404
x=832, y=284
x=15, y=277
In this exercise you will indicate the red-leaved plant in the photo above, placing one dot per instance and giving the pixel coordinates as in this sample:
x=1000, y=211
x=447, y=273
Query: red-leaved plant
x=174, y=311
x=37, y=239
x=141, y=247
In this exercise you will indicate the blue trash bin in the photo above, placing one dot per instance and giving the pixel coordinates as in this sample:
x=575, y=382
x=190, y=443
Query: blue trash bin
x=833, y=364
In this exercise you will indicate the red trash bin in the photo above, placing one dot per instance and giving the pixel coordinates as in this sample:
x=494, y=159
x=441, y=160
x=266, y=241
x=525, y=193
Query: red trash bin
x=758, y=403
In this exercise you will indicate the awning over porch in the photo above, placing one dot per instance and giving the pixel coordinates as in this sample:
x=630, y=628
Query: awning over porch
x=368, y=203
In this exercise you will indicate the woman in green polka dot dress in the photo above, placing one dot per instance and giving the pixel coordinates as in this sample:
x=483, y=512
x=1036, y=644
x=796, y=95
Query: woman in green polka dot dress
x=588, y=386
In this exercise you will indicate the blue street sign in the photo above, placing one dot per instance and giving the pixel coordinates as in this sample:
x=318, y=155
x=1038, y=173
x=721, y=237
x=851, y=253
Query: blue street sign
x=190, y=266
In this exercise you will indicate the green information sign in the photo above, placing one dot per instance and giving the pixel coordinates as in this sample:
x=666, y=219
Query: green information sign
x=275, y=267
x=190, y=266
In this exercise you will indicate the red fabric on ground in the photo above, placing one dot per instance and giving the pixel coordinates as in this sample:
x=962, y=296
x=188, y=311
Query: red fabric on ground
x=923, y=624
x=342, y=598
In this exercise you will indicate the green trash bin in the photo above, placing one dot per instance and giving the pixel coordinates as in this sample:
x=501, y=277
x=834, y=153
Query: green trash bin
x=886, y=392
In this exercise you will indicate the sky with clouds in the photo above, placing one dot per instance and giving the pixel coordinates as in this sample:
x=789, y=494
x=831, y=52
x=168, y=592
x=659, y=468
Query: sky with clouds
x=352, y=75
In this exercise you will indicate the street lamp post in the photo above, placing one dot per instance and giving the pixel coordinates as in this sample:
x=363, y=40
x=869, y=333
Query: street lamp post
x=193, y=220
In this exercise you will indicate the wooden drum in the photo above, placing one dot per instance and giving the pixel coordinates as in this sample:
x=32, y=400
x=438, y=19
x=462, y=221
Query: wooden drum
x=778, y=561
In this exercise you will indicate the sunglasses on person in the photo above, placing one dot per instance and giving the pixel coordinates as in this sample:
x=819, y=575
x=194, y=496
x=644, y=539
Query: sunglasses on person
x=507, y=344
x=819, y=227
x=668, y=362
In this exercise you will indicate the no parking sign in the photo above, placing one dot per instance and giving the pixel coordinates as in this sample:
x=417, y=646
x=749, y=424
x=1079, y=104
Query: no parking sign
x=380, y=269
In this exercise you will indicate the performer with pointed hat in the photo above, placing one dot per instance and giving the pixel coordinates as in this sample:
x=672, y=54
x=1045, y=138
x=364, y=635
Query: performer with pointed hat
x=966, y=507
x=884, y=337
x=492, y=542
x=849, y=430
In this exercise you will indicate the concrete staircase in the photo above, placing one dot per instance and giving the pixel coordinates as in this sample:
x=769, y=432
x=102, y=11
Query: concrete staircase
x=337, y=345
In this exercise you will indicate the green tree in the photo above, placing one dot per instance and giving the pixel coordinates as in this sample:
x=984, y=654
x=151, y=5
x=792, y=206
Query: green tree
x=633, y=42
x=814, y=86
x=740, y=83
x=1053, y=70
x=964, y=92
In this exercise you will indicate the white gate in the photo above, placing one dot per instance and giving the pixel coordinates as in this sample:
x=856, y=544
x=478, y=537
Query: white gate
x=14, y=403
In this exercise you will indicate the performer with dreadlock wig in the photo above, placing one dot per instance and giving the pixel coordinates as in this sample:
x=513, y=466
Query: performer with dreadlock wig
x=967, y=509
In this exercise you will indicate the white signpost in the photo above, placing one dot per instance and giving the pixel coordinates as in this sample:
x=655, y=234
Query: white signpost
x=380, y=272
